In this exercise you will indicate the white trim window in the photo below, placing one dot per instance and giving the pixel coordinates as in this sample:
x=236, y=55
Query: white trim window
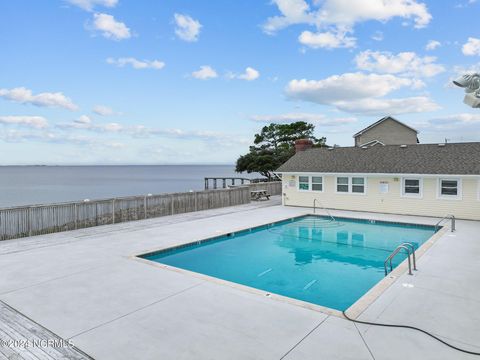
x=317, y=183
x=450, y=188
x=304, y=183
x=351, y=185
x=343, y=184
x=412, y=187
x=358, y=185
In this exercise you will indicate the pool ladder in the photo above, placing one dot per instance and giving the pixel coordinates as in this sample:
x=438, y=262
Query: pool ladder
x=322, y=207
x=410, y=250
x=446, y=217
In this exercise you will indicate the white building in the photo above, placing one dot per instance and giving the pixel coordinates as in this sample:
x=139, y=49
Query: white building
x=415, y=179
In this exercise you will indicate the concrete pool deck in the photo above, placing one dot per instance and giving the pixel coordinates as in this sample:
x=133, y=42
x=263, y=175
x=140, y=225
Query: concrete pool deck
x=84, y=285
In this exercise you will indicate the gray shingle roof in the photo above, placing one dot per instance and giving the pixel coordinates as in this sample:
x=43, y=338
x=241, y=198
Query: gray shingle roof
x=451, y=159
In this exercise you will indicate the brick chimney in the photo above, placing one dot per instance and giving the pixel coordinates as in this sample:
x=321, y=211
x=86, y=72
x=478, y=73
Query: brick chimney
x=303, y=144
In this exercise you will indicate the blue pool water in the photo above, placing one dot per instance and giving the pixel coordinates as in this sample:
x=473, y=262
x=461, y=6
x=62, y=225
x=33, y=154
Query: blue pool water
x=309, y=258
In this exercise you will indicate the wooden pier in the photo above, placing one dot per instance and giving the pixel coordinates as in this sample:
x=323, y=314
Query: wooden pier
x=225, y=181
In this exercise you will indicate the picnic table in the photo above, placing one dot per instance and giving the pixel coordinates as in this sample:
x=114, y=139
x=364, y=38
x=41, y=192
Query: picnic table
x=259, y=195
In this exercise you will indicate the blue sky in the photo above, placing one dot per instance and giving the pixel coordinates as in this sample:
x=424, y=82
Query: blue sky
x=154, y=82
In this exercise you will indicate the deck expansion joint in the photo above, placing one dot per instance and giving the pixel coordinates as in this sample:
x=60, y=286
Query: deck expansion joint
x=302, y=339
x=136, y=310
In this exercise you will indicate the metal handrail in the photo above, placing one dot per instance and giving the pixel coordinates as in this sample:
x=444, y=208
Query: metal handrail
x=323, y=207
x=410, y=245
x=393, y=254
x=446, y=217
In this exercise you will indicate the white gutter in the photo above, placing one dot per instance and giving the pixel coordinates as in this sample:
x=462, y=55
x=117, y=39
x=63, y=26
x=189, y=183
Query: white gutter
x=379, y=174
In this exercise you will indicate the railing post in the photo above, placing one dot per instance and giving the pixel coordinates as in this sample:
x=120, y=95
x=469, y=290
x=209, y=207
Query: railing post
x=214, y=183
x=75, y=211
x=173, y=205
x=145, y=206
x=224, y=183
x=195, y=201
x=453, y=223
x=29, y=221
x=113, y=211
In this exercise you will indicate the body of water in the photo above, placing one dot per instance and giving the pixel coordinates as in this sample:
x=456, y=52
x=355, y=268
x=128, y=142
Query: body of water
x=24, y=185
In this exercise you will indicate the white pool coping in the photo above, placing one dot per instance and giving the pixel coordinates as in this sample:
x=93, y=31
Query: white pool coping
x=354, y=311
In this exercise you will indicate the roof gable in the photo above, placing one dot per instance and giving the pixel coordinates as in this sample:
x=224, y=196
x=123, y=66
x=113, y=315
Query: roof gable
x=380, y=122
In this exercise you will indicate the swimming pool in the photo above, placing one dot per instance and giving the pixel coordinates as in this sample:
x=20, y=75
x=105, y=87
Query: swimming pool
x=308, y=258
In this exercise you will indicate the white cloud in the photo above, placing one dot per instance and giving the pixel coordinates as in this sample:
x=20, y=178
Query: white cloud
x=347, y=87
x=432, y=45
x=455, y=127
x=380, y=107
x=83, y=119
x=293, y=12
x=187, y=28
x=88, y=5
x=360, y=93
x=30, y=121
x=378, y=36
x=103, y=110
x=110, y=28
x=85, y=123
x=14, y=135
x=471, y=47
x=456, y=119
x=328, y=40
x=136, y=64
x=405, y=63
x=250, y=74
x=25, y=96
x=318, y=119
x=349, y=12
x=340, y=16
x=206, y=72
x=112, y=127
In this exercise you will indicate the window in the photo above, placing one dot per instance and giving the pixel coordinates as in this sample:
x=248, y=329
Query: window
x=411, y=187
x=310, y=183
x=303, y=183
x=449, y=188
x=317, y=183
x=342, y=184
x=358, y=185
x=351, y=185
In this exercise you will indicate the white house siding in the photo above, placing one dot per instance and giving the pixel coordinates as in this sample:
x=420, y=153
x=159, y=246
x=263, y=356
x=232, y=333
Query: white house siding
x=468, y=207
